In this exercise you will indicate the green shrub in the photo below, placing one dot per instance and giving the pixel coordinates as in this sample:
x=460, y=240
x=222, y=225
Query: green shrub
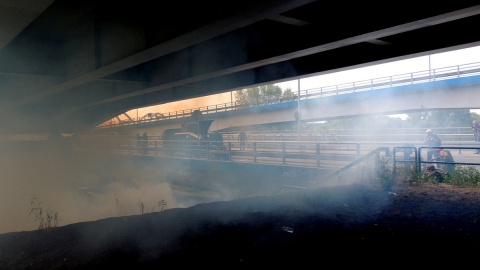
x=465, y=176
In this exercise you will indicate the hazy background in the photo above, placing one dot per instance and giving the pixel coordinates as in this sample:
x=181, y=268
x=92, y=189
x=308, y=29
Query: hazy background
x=80, y=187
x=91, y=187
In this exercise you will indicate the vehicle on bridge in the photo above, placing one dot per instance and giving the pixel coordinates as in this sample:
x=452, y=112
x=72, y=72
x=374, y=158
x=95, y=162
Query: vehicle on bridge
x=194, y=139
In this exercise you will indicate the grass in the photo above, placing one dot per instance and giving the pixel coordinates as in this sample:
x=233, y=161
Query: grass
x=46, y=218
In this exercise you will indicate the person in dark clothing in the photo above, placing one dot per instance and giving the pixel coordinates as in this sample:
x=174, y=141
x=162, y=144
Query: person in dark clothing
x=144, y=143
x=432, y=139
x=217, y=139
x=476, y=133
x=139, y=143
x=439, y=174
x=446, y=156
x=242, y=137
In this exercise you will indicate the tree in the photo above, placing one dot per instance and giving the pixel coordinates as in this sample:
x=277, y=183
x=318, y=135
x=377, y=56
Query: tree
x=270, y=90
x=288, y=94
x=475, y=116
x=441, y=118
x=262, y=93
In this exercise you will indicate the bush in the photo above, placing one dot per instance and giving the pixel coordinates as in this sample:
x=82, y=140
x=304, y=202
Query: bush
x=463, y=176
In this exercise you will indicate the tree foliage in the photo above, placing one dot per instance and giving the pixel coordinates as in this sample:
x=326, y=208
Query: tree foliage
x=441, y=118
x=267, y=92
x=426, y=119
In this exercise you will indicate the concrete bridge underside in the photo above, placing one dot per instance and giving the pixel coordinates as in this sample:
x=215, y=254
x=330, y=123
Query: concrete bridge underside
x=67, y=66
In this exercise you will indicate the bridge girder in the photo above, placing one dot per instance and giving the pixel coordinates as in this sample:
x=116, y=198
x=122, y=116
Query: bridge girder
x=69, y=65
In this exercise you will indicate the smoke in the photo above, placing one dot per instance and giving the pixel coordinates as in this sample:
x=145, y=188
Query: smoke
x=86, y=186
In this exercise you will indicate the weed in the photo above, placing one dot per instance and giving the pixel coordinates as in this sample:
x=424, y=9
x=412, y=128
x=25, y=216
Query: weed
x=142, y=207
x=119, y=207
x=383, y=172
x=46, y=218
x=162, y=204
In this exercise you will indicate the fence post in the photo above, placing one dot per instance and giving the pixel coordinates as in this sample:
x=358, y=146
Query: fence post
x=318, y=154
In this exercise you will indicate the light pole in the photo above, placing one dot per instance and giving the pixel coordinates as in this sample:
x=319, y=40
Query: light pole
x=429, y=69
x=298, y=110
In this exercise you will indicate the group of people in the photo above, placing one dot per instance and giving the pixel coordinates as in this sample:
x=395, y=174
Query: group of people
x=444, y=155
x=438, y=154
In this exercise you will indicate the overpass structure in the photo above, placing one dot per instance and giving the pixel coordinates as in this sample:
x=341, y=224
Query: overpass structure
x=70, y=65
x=455, y=87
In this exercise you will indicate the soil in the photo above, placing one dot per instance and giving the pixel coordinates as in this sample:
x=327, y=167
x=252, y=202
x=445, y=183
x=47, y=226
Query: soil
x=353, y=225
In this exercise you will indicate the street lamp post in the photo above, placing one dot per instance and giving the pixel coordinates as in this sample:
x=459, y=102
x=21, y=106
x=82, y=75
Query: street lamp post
x=298, y=110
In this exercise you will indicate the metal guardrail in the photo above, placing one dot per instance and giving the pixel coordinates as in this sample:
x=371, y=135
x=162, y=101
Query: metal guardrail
x=300, y=154
x=334, y=159
x=444, y=73
x=417, y=156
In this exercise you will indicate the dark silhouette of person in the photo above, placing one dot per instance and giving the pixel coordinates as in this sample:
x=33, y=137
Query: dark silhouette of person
x=217, y=139
x=242, y=137
x=446, y=156
x=476, y=133
x=432, y=139
x=144, y=143
x=439, y=174
x=139, y=143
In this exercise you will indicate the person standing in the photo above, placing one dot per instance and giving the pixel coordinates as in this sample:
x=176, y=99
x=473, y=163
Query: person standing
x=144, y=143
x=476, y=133
x=139, y=143
x=432, y=139
x=242, y=137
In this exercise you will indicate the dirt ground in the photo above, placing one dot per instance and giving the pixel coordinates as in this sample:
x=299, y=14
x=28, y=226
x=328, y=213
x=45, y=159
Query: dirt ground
x=354, y=225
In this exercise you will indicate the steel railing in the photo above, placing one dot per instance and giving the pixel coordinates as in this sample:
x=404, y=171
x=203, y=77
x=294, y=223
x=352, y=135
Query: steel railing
x=445, y=73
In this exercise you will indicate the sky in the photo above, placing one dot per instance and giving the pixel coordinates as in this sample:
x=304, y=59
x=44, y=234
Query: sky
x=434, y=61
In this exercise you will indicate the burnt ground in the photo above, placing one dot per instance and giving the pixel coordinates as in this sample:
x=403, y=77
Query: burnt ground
x=354, y=225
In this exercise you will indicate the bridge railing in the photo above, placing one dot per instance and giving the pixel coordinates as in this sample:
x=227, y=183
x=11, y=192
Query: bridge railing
x=300, y=153
x=444, y=73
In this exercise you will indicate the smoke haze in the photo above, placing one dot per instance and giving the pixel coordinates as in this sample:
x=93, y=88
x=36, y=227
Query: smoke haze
x=184, y=104
x=82, y=187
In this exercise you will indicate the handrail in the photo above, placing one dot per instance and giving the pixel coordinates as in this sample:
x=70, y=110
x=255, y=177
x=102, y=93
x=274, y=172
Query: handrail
x=445, y=73
x=359, y=160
